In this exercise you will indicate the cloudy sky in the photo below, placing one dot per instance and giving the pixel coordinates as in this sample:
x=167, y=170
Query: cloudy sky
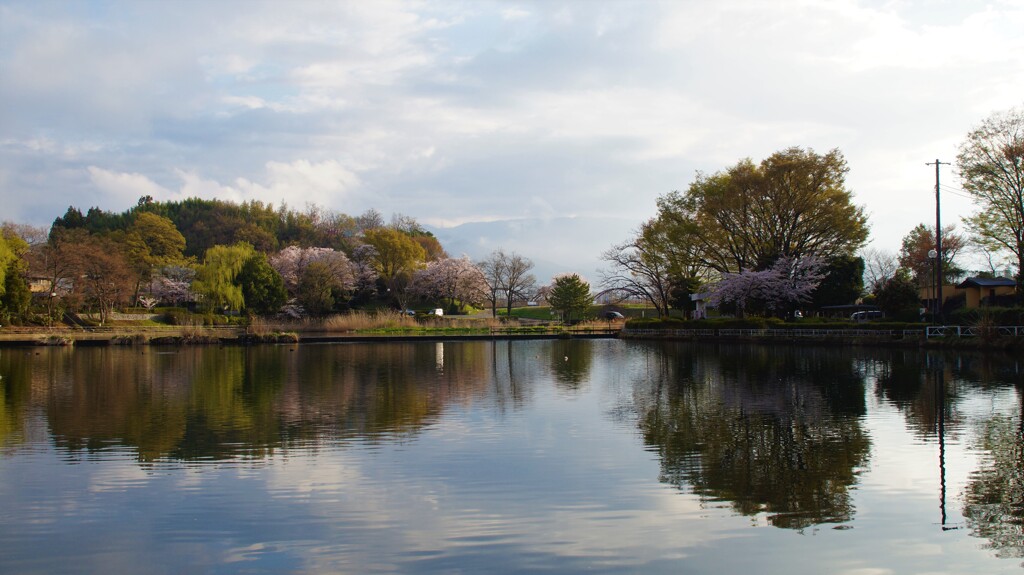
x=456, y=112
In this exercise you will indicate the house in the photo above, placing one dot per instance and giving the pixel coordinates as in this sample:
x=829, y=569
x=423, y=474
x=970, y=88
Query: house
x=987, y=291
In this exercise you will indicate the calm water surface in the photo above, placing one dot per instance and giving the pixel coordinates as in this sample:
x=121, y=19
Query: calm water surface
x=507, y=457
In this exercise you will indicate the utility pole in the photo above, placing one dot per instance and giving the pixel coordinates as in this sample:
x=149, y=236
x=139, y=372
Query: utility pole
x=938, y=244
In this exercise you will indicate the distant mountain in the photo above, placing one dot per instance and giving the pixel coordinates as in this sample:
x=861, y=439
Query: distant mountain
x=555, y=245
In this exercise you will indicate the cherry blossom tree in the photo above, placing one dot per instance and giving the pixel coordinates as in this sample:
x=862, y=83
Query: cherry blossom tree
x=292, y=262
x=451, y=279
x=785, y=284
x=173, y=284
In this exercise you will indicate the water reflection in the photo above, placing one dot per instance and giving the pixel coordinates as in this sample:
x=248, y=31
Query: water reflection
x=771, y=431
x=212, y=404
x=515, y=435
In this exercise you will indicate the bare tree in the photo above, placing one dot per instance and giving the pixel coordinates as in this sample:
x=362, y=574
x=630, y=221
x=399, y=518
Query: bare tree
x=639, y=269
x=991, y=165
x=879, y=267
x=508, y=276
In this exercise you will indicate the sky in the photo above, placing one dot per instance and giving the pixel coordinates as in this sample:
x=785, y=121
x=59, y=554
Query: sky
x=460, y=112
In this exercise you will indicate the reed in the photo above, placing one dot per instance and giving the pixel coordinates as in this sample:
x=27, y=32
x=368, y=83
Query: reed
x=362, y=320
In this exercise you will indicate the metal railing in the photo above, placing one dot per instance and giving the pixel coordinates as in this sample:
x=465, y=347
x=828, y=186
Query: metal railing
x=974, y=331
x=778, y=333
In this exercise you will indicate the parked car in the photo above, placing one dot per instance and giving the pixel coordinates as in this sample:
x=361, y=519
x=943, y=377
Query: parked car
x=613, y=315
x=866, y=315
x=437, y=311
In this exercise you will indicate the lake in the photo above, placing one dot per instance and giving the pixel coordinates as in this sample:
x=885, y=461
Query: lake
x=557, y=456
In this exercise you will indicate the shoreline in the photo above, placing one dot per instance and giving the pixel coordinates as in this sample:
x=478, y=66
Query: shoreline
x=174, y=336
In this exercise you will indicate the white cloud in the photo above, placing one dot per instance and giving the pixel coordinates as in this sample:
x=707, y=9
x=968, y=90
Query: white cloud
x=125, y=188
x=515, y=13
x=455, y=112
x=301, y=182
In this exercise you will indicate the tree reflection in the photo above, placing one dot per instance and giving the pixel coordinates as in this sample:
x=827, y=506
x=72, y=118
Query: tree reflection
x=770, y=430
x=994, y=498
x=218, y=403
x=15, y=389
x=571, y=362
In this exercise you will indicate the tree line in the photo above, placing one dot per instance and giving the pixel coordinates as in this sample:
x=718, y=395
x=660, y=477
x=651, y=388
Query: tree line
x=222, y=257
x=763, y=238
x=783, y=234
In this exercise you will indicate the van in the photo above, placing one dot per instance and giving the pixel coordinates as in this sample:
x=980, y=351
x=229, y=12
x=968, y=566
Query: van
x=437, y=311
x=866, y=315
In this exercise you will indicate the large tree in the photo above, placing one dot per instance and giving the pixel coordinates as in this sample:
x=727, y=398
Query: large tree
x=508, y=276
x=105, y=278
x=151, y=242
x=216, y=277
x=263, y=289
x=644, y=267
x=843, y=282
x=570, y=296
x=914, y=256
x=455, y=280
x=59, y=261
x=395, y=257
x=778, y=289
x=879, y=267
x=991, y=166
x=794, y=204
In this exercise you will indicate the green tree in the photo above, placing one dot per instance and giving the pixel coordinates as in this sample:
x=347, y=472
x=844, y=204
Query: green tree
x=16, y=298
x=794, y=204
x=216, y=278
x=570, y=296
x=150, y=243
x=262, y=287
x=843, y=282
x=318, y=286
x=991, y=166
x=898, y=297
x=7, y=257
x=396, y=256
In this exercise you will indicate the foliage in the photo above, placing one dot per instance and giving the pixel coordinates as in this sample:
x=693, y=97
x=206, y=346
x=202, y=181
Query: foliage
x=454, y=280
x=785, y=284
x=914, y=258
x=898, y=296
x=793, y=205
x=318, y=288
x=262, y=287
x=173, y=284
x=570, y=296
x=334, y=268
x=843, y=282
x=16, y=297
x=991, y=166
x=395, y=257
x=7, y=257
x=216, y=277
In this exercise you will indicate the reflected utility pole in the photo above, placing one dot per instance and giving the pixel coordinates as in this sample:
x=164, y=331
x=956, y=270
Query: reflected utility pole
x=940, y=394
